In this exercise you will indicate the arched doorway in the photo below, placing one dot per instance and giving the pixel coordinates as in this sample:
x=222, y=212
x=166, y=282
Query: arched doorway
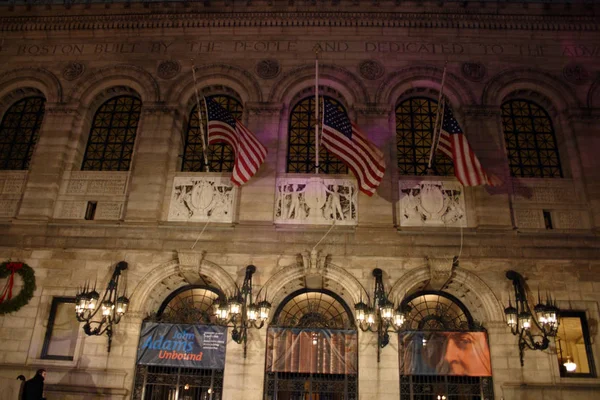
x=193, y=305
x=444, y=353
x=312, y=349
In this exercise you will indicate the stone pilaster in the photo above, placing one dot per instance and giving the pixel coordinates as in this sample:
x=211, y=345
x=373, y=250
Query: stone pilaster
x=48, y=163
x=483, y=128
x=150, y=163
x=258, y=195
x=244, y=377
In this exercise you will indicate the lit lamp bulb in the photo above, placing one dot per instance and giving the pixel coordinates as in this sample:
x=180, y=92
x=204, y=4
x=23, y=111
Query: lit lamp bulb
x=234, y=306
x=252, y=313
x=387, y=310
x=570, y=365
x=360, y=309
x=264, y=308
x=511, y=316
x=107, y=307
x=525, y=320
x=370, y=317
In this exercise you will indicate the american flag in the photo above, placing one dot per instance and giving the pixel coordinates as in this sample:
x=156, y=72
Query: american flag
x=223, y=127
x=343, y=139
x=453, y=143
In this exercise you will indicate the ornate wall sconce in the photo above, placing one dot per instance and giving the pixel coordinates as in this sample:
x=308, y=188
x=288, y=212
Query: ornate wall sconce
x=521, y=319
x=113, y=306
x=379, y=314
x=240, y=312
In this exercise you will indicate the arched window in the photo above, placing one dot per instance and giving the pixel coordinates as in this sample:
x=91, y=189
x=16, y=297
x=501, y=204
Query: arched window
x=301, y=141
x=415, y=119
x=312, y=348
x=443, y=352
x=112, y=136
x=221, y=156
x=530, y=140
x=188, y=305
x=19, y=132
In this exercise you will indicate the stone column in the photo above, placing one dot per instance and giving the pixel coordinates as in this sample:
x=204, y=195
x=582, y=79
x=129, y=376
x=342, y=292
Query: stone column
x=483, y=127
x=48, y=162
x=378, y=380
x=155, y=142
x=244, y=377
x=376, y=122
x=257, y=200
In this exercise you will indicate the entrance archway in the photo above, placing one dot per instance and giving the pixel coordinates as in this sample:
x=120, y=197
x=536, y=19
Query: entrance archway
x=443, y=352
x=193, y=305
x=312, y=349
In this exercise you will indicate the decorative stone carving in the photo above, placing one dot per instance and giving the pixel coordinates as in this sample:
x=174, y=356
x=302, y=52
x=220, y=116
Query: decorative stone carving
x=96, y=183
x=316, y=201
x=576, y=74
x=529, y=218
x=473, y=71
x=268, y=69
x=73, y=70
x=109, y=210
x=432, y=203
x=371, y=69
x=168, y=69
x=197, y=199
x=441, y=270
x=313, y=261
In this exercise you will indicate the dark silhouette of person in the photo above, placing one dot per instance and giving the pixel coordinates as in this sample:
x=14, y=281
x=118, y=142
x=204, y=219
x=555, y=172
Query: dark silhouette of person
x=34, y=388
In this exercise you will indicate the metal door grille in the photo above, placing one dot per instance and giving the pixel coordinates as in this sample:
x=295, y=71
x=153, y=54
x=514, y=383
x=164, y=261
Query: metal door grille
x=173, y=383
x=429, y=387
x=300, y=386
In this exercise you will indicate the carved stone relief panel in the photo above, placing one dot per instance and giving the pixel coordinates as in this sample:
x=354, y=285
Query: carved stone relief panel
x=564, y=205
x=432, y=203
x=317, y=201
x=95, y=183
x=71, y=209
x=12, y=185
x=202, y=198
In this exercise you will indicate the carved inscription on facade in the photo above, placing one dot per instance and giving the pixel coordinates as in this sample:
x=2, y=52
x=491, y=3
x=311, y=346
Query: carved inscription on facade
x=198, y=199
x=317, y=201
x=12, y=184
x=432, y=203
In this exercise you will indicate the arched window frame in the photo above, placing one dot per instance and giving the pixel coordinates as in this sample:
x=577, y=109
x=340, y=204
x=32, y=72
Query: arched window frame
x=303, y=120
x=10, y=162
x=124, y=159
x=472, y=325
x=415, y=164
x=218, y=293
x=221, y=156
x=517, y=168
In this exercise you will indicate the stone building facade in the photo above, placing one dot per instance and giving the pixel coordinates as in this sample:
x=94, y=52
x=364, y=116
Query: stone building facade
x=73, y=223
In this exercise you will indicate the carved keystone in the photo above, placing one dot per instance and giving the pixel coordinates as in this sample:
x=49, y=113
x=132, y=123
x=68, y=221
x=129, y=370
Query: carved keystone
x=440, y=270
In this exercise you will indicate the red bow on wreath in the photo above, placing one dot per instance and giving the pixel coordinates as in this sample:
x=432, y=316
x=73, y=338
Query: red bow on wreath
x=7, y=292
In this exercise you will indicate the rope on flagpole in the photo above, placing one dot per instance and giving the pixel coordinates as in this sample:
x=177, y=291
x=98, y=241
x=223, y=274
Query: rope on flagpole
x=202, y=133
x=317, y=109
x=439, y=117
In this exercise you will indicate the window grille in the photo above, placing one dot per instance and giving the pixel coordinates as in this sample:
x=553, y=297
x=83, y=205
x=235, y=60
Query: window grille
x=112, y=137
x=415, y=119
x=530, y=141
x=19, y=132
x=221, y=156
x=301, y=141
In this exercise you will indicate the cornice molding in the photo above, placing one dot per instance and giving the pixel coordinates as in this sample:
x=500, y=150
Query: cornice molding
x=178, y=20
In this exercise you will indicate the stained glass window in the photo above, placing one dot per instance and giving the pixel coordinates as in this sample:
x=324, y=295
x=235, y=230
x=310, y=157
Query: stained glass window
x=19, y=132
x=220, y=155
x=415, y=119
x=530, y=140
x=301, y=141
x=112, y=136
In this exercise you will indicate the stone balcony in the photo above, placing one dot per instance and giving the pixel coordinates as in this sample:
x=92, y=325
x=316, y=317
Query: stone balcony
x=431, y=202
x=315, y=200
x=202, y=197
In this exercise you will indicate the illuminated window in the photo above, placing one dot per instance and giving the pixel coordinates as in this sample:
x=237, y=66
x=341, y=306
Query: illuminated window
x=574, y=347
x=415, y=118
x=313, y=309
x=62, y=330
x=530, y=141
x=221, y=156
x=19, y=132
x=112, y=136
x=189, y=305
x=301, y=141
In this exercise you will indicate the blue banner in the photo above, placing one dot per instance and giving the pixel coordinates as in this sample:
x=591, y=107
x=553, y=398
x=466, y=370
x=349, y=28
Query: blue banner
x=190, y=346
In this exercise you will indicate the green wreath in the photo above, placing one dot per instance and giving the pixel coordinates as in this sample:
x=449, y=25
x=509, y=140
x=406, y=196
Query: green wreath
x=26, y=293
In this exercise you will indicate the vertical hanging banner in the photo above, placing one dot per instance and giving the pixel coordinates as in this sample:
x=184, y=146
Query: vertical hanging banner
x=178, y=345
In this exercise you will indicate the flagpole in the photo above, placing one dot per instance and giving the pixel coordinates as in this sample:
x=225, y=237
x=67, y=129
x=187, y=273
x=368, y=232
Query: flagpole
x=202, y=133
x=437, y=125
x=316, y=109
